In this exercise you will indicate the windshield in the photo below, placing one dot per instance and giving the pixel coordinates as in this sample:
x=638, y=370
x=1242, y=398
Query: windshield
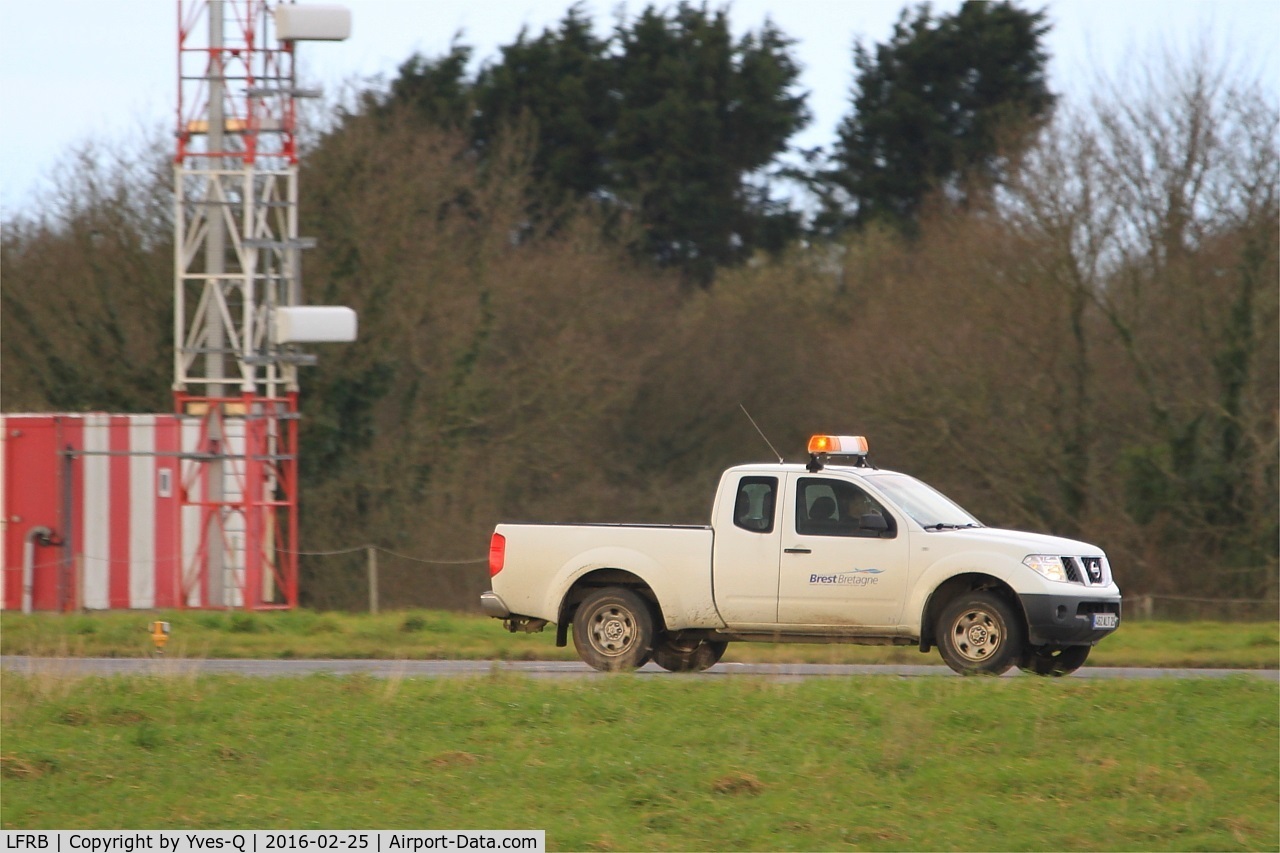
x=930, y=508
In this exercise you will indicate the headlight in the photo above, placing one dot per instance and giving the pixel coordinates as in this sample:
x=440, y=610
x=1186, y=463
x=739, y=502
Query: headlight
x=1049, y=566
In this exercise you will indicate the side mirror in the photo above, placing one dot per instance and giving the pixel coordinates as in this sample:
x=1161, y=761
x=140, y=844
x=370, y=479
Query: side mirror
x=873, y=521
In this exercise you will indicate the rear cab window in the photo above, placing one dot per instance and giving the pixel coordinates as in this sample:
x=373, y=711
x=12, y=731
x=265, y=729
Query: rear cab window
x=754, y=504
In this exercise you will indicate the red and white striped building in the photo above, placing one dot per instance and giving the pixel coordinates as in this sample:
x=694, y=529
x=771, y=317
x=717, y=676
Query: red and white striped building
x=104, y=512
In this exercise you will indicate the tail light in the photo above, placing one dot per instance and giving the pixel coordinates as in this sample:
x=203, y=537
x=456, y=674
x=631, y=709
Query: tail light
x=497, y=553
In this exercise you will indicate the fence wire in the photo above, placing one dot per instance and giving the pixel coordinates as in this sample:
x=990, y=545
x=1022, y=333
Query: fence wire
x=451, y=591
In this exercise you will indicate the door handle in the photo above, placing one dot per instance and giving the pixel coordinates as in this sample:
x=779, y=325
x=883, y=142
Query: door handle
x=797, y=551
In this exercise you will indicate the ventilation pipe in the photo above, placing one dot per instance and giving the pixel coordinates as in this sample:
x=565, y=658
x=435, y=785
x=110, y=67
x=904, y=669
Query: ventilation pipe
x=35, y=536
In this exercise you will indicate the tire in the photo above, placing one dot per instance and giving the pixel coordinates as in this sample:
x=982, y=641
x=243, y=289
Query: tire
x=687, y=655
x=1055, y=663
x=979, y=633
x=613, y=630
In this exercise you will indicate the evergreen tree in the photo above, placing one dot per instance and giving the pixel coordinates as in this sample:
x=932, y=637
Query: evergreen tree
x=670, y=120
x=560, y=82
x=438, y=89
x=938, y=108
x=699, y=115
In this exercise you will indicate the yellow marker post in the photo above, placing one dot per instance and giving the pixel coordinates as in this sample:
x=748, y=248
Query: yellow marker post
x=159, y=635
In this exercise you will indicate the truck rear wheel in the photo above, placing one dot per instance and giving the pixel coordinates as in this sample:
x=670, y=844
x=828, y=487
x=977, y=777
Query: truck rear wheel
x=678, y=655
x=1056, y=663
x=613, y=630
x=980, y=634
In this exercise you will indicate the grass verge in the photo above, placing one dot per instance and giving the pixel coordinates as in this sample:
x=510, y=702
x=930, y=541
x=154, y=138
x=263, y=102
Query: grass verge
x=641, y=763
x=422, y=635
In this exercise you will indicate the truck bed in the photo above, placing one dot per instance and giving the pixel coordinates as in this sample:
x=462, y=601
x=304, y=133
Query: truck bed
x=544, y=560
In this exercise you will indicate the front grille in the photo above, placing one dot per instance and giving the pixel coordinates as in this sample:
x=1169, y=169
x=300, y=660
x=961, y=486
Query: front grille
x=1095, y=573
x=1088, y=571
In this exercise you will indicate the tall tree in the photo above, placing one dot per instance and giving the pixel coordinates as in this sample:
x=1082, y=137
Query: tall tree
x=438, y=89
x=700, y=113
x=559, y=81
x=938, y=108
x=670, y=121
x=86, y=311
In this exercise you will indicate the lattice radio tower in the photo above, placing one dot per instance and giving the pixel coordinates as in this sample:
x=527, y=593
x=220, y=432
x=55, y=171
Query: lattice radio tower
x=239, y=316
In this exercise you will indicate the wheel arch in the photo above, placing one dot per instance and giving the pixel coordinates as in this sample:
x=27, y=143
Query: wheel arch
x=598, y=579
x=960, y=584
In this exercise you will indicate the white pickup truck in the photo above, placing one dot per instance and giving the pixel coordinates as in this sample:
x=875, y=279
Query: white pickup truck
x=817, y=553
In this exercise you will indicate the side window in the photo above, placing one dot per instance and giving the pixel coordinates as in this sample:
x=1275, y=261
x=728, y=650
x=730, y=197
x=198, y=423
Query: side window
x=754, y=505
x=837, y=508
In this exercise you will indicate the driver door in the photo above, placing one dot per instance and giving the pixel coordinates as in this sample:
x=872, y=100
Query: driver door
x=844, y=556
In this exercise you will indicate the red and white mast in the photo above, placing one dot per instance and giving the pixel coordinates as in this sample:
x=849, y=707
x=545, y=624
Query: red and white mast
x=238, y=310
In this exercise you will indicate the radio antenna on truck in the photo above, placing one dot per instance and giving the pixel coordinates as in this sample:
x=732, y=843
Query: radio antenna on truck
x=762, y=435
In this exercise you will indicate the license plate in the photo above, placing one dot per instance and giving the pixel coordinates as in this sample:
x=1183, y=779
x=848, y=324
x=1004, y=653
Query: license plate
x=1106, y=620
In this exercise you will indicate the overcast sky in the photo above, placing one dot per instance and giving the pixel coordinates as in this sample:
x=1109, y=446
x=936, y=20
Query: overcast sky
x=72, y=71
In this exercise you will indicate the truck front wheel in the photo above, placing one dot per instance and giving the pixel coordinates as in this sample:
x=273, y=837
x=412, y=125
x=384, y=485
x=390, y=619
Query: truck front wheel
x=613, y=630
x=677, y=655
x=979, y=633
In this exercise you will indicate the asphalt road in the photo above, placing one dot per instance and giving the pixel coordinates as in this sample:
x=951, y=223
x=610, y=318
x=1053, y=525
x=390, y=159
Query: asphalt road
x=537, y=669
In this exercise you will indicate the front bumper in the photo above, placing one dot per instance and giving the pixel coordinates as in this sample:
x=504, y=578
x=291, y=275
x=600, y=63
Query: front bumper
x=1068, y=620
x=494, y=606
